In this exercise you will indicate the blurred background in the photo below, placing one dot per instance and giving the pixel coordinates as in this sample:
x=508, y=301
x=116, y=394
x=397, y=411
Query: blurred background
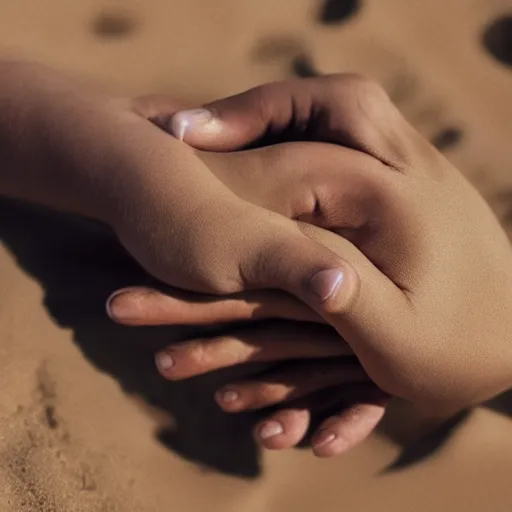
x=86, y=424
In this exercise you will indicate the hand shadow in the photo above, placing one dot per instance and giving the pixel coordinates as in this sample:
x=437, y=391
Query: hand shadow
x=79, y=263
x=422, y=434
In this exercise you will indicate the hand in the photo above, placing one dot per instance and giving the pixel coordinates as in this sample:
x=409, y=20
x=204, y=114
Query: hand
x=434, y=265
x=99, y=156
x=85, y=152
x=431, y=316
x=290, y=189
x=313, y=373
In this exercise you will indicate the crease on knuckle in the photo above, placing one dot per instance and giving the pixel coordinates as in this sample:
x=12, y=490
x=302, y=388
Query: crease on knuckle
x=269, y=393
x=376, y=126
x=198, y=357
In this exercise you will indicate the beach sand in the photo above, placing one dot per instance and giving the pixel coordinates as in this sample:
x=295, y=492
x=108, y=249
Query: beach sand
x=86, y=424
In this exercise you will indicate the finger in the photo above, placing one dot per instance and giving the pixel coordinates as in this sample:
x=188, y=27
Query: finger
x=149, y=306
x=343, y=109
x=283, y=429
x=333, y=401
x=278, y=165
x=376, y=319
x=342, y=432
x=288, y=426
x=274, y=253
x=266, y=343
x=292, y=382
x=364, y=305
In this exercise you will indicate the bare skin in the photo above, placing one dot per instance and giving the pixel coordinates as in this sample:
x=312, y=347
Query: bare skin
x=305, y=389
x=430, y=316
x=401, y=293
x=80, y=151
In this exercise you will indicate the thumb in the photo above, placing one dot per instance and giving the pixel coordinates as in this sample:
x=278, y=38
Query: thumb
x=244, y=119
x=341, y=109
x=232, y=123
x=273, y=252
x=365, y=307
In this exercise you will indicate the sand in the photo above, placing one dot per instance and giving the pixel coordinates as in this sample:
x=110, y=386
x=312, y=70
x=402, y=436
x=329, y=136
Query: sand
x=85, y=422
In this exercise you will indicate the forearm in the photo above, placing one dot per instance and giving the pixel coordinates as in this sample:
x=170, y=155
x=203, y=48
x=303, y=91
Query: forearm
x=74, y=150
x=50, y=149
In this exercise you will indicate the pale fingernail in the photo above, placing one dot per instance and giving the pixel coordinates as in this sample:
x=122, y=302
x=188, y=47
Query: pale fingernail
x=322, y=438
x=325, y=282
x=199, y=120
x=116, y=309
x=270, y=429
x=164, y=362
x=228, y=396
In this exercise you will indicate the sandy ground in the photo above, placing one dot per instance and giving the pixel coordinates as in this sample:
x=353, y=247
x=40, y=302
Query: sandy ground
x=85, y=423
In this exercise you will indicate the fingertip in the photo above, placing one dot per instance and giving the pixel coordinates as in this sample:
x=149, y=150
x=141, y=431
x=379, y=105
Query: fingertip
x=324, y=283
x=119, y=306
x=196, y=122
x=326, y=443
x=332, y=448
x=282, y=430
x=329, y=440
x=339, y=434
x=229, y=400
x=333, y=289
x=164, y=363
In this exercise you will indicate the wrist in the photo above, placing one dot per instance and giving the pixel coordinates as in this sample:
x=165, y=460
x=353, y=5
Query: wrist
x=54, y=141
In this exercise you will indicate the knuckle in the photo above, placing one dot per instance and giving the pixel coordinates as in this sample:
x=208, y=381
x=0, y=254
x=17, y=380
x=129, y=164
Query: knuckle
x=225, y=282
x=370, y=103
x=270, y=393
x=372, y=123
x=224, y=350
x=367, y=91
x=199, y=357
x=358, y=89
x=261, y=101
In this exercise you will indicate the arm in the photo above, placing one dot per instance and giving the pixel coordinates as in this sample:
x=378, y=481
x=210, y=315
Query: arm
x=84, y=152
x=73, y=149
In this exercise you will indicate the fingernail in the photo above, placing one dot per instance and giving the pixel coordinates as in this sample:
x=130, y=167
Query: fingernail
x=228, y=396
x=270, y=429
x=200, y=120
x=115, y=309
x=325, y=282
x=164, y=362
x=322, y=438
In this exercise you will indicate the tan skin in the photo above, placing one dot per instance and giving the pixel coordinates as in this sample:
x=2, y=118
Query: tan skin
x=430, y=315
x=72, y=149
x=79, y=151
